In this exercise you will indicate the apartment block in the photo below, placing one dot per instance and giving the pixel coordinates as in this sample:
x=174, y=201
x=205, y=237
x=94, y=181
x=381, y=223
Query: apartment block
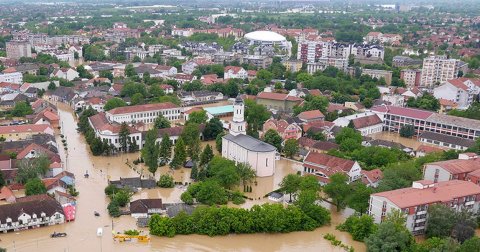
x=438, y=69
x=411, y=77
x=18, y=48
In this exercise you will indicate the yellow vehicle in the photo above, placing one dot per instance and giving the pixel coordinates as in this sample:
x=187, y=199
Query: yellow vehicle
x=124, y=237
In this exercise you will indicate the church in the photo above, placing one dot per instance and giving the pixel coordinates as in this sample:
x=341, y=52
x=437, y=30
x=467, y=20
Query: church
x=240, y=147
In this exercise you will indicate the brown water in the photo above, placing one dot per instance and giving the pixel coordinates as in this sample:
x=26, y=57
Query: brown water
x=394, y=137
x=82, y=232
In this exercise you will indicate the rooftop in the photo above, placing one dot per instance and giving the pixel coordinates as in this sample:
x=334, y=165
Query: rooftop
x=219, y=110
x=439, y=192
x=454, y=120
x=142, y=108
x=250, y=143
x=265, y=36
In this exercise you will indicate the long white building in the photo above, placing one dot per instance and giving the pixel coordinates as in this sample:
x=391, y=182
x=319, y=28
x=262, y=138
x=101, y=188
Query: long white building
x=242, y=148
x=146, y=113
x=438, y=69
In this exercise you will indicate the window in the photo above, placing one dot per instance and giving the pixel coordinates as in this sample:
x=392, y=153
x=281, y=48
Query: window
x=266, y=162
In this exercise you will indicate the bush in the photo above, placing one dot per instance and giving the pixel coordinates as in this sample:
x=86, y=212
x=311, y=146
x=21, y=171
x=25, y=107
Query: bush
x=131, y=232
x=360, y=227
x=113, y=209
x=237, y=198
x=110, y=190
x=166, y=181
x=122, y=197
x=187, y=198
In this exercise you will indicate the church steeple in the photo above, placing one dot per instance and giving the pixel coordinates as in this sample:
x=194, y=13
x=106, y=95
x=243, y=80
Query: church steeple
x=238, y=125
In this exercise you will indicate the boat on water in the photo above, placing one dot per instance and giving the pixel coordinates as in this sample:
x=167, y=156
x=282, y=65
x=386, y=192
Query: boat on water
x=58, y=235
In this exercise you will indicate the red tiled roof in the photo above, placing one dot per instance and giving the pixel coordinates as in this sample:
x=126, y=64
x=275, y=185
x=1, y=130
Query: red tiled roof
x=371, y=176
x=406, y=112
x=428, y=149
x=142, y=108
x=456, y=166
x=312, y=114
x=6, y=193
x=328, y=161
x=366, y=121
x=458, y=84
x=235, y=69
x=441, y=192
x=36, y=128
x=306, y=142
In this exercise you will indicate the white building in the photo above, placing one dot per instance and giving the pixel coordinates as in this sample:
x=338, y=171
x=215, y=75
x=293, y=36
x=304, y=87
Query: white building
x=109, y=131
x=461, y=91
x=438, y=69
x=146, y=113
x=30, y=212
x=323, y=63
x=65, y=73
x=323, y=166
x=366, y=123
x=235, y=72
x=415, y=201
x=240, y=147
x=269, y=38
x=13, y=77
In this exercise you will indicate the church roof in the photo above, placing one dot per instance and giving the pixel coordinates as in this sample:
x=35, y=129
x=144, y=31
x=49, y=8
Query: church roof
x=250, y=143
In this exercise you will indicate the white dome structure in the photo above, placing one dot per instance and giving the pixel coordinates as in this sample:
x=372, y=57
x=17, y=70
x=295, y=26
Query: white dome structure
x=268, y=43
x=265, y=36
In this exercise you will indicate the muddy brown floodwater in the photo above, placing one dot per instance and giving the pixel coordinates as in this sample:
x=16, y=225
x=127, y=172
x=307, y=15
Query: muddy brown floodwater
x=82, y=231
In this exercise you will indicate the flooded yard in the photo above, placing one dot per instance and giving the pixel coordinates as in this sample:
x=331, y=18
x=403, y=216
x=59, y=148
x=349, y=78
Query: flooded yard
x=394, y=137
x=82, y=231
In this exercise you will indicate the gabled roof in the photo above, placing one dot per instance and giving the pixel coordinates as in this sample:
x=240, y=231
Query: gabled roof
x=142, y=108
x=366, y=121
x=311, y=114
x=456, y=166
x=330, y=162
x=143, y=205
x=38, y=205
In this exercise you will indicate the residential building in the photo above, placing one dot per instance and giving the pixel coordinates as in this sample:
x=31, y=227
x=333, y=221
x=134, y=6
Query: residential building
x=378, y=74
x=242, y=148
x=395, y=117
x=323, y=63
x=414, y=201
x=260, y=61
x=372, y=178
x=411, y=77
x=293, y=65
x=387, y=38
x=322, y=166
x=17, y=49
x=404, y=61
x=450, y=169
x=438, y=69
x=462, y=91
x=366, y=123
x=30, y=212
x=143, y=208
x=12, y=77
x=311, y=116
x=277, y=101
x=146, y=113
x=234, y=72
x=65, y=73
x=25, y=131
x=283, y=128
x=199, y=97
x=190, y=66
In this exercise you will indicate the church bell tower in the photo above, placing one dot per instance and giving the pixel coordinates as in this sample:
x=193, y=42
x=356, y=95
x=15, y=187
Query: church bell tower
x=238, y=125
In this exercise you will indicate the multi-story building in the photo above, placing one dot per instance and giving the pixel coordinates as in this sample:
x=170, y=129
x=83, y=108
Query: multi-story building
x=12, y=77
x=146, y=113
x=31, y=212
x=323, y=166
x=235, y=72
x=323, y=63
x=411, y=77
x=259, y=61
x=404, y=61
x=109, y=131
x=313, y=51
x=414, y=201
x=462, y=91
x=450, y=169
x=438, y=69
x=293, y=65
x=26, y=131
x=277, y=101
x=366, y=123
x=378, y=74
x=395, y=117
x=17, y=49
x=386, y=38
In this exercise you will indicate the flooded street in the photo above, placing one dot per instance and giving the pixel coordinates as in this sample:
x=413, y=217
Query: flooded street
x=82, y=231
x=394, y=137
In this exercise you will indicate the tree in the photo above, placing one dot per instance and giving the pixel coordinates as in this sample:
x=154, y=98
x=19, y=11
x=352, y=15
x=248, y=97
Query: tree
x=161, y=122
x=255, y=116
x=359, y=197
x=106, y=74
x=113, y=209
x=407, y=131
x=130, y=71
x=122, y=197
x=123, y=136
x=191, y=137
x=360, y=227
x=290, y=184
x=213, y=128
x=166, y=181
x=338, y=190
x=161, y=226
x=2, y=180
x=150, y=151
x=291, y=148
x=35, y=186
x=198, y=117
x=426, y=101
x=21, y=109
x=206, y=156
x=273, y=138
x=389, y=238
x=218, y=141
x=165, y=152
x=465, y=226
x=246, y=173
x=210, y=192
x=437, y=244
x=114, y=103
x=441, y=220
x=179, y=154
x=348, y=139
x=470, y=245
x=83, y=73
x=265, y=75
x=137, y=99
x=52, y=86
x=227, y=176
x=30, y=168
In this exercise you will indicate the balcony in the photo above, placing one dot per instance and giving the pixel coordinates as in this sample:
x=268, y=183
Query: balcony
x=469, y=203
x=422, y=212
x=418, y=228
x=420, y=220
